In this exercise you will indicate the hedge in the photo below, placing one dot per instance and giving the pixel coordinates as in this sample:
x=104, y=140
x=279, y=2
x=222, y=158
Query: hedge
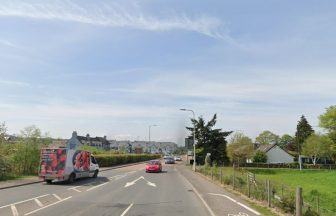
x=106, y=160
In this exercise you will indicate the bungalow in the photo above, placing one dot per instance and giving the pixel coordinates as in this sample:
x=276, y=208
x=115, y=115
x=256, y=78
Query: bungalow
x=275, y=154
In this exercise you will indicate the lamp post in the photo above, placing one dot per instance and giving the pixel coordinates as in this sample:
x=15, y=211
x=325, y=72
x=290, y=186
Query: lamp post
x=149, y=135
x=194, y=139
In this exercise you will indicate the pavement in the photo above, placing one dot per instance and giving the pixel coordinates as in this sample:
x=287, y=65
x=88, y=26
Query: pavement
x=126, y=191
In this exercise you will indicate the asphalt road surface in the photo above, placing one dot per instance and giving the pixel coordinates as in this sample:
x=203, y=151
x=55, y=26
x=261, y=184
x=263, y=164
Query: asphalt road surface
x=124, y=192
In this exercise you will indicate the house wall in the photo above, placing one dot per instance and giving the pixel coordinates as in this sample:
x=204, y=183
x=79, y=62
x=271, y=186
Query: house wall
x=277, y=155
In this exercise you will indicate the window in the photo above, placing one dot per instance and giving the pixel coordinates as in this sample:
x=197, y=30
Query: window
x=93, y=160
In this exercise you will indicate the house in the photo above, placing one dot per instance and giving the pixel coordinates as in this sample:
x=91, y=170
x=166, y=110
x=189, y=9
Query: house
x=275, y=154
x=77, y=141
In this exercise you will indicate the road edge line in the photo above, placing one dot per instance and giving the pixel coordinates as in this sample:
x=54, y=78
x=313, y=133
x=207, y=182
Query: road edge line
x=198, y=195
x=235, y=201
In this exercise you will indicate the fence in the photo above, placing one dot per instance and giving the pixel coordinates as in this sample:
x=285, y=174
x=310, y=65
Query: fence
x=271, y=193
x=290, y=166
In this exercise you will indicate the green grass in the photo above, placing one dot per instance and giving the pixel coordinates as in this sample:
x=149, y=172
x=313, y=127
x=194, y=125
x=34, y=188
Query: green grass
x=312, y=182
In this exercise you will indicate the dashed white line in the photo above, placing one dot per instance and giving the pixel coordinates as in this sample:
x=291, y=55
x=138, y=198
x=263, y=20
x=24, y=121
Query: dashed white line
x=57, y=197
x=38, y=202
x=24, y=201
x=235, y=201
x=14, y=210
x=48, y=205
x=94, y=187
x=75, y=189
x=126, y=210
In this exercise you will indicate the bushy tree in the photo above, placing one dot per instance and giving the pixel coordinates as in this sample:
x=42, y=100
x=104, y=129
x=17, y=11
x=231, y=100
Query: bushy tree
x=240, y=148
x=209, y=140
x=260, y=157
x=317, y=146
x=303, y=131
x=328, y=121
x=286, y=141
x=267, y=137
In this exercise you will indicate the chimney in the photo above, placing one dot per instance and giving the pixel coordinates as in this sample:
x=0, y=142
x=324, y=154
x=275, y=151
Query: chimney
x=104, y=137
x=74, y=134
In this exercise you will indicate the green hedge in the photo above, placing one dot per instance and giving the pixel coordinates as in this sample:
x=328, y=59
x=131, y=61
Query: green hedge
x=106, y=160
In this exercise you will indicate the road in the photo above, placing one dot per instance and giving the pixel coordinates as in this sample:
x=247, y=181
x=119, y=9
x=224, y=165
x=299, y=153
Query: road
x=126, y=191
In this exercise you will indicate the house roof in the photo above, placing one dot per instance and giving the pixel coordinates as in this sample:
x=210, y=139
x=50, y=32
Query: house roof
x=267, y=148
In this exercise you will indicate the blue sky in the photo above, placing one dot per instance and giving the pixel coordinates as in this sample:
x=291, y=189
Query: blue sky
x=114, y=67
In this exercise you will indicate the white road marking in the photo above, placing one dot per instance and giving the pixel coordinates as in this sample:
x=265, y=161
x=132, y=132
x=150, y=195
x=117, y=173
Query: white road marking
x=199, y=196
x=48, y=205
x=141, y=177
x=38, y=202
x=75, y=189
x=235, y=201
x=94, y=187
x=239, y=214
x=57, y=197
x=23, y=201
x=14, y=210
x=126, y=210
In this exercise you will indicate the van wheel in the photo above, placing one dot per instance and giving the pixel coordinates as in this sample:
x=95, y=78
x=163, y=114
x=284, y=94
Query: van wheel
x=48, y=181
x=95, y=174
x=72, y=178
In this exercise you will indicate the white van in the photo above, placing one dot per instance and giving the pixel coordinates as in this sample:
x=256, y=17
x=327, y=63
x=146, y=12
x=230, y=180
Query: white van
x=61, y=164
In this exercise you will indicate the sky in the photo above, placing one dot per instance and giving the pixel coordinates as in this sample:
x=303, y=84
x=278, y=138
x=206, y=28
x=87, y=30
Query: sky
x=115, y=67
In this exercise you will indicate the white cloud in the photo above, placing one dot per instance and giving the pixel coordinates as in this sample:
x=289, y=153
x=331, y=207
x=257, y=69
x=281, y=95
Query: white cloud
x=111, y=15
x=13, y=83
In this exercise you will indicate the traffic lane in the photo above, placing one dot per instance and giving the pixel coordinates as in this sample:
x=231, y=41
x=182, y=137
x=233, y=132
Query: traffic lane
x=218, y=199
x=31, y=206
x=17, y=194
x=171, y=195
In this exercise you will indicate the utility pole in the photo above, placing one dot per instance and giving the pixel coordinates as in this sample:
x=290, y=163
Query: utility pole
x=194, y=138
x=149, y=134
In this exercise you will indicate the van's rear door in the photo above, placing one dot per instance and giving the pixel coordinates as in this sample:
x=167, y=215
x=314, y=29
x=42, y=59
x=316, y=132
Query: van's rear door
x=52, y=163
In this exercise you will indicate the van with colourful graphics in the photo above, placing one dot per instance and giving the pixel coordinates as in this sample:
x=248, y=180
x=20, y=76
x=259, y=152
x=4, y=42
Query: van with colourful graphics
x=62, y=164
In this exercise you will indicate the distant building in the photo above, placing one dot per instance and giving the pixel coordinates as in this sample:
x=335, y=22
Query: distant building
x=77, y=141
x=275, y=154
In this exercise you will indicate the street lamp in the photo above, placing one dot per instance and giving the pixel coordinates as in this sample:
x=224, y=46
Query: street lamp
x=194, y=139
x=149, y=134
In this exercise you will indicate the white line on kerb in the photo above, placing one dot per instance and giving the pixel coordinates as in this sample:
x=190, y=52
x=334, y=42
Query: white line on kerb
x=94, y=187
x=14, y=210
x=48, y=205
x=23, y=201
x=235, y=201
x=126, y=210
x=38, y=202
x=57, y=197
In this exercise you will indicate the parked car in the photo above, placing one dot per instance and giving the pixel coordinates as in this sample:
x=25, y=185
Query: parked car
x=169, y=160
x=61, y=164
x=154, y=166
x=177, y=158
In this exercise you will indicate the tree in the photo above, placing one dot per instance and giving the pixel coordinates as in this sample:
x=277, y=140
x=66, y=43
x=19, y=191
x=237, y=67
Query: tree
x=267, y=137
x=286, y=141
x=260, y=157
x=303, y=131
x=209, y=140
x=240, y=148
x=328, y=121
x=316, y=146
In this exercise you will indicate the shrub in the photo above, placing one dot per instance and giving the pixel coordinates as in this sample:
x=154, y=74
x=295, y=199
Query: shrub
x=106, y=160
x=260, y=157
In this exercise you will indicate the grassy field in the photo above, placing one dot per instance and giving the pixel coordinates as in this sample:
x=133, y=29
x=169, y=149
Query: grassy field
x=319, y=186
x=313, y=182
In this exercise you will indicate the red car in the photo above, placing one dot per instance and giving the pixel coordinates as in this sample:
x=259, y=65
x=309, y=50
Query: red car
x=154, y=166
